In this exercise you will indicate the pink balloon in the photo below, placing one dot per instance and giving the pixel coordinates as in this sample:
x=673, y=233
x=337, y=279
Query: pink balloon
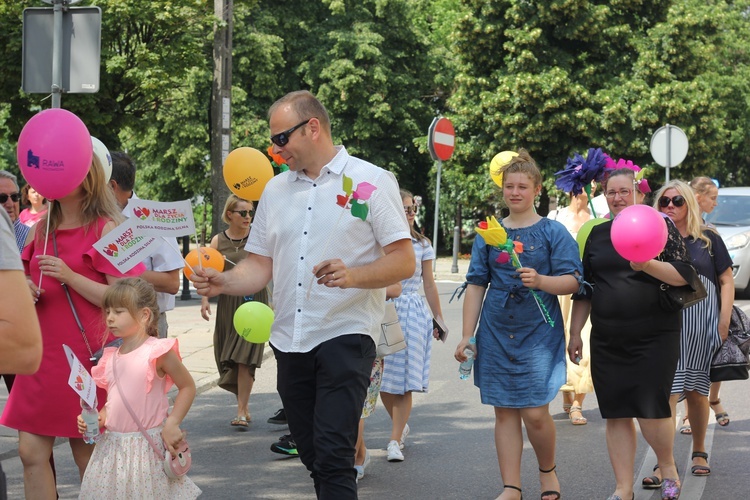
x=54, y=152
x=639, y=233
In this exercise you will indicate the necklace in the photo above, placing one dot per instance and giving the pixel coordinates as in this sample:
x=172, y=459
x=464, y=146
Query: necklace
x=237, y=244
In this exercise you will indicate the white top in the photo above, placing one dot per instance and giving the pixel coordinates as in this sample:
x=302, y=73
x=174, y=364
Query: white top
x=298, y=224
x=10, y=257
x=163, y=259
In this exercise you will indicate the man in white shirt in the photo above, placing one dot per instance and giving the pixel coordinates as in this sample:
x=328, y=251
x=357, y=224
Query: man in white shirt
x=332, y=245
x=163, y=266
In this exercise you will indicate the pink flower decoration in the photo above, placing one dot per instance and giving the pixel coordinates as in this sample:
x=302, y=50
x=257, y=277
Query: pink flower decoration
x=503, y=258
x=364, y=191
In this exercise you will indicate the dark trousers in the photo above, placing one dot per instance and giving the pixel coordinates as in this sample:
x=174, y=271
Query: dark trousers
x=323, y=392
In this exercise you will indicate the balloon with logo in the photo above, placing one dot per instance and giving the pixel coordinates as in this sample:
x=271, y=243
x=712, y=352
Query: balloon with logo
x=639, y=233
x=209, y=257
x=585, y=231
x=253, y=321
x=499, y=161
x=246, y=172
x=54, y=152
x=105, y=159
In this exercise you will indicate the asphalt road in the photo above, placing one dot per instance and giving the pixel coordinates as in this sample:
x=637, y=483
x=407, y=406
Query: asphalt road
x=450, y=452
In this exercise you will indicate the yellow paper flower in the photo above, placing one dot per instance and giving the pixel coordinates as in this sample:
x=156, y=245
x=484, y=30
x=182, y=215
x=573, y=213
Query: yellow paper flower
x=492, y=232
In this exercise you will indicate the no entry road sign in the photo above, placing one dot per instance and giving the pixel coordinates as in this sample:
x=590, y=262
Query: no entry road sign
x=441, y=139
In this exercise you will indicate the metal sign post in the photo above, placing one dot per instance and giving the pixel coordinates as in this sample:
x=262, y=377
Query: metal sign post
x=61, y=49
x=669, y=147
x=441, y=143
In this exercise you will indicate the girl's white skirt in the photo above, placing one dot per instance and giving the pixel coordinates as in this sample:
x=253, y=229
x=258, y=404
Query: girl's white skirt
x=124, y=465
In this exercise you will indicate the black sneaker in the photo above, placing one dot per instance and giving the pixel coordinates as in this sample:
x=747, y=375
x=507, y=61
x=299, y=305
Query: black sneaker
x=285, y=446
x=279, y=418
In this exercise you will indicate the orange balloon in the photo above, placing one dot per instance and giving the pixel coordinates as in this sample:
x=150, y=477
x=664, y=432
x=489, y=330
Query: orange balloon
x=210, y=258
x=246, y=172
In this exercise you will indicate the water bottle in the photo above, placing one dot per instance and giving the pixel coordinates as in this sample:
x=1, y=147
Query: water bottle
x=464, y=369
x=91, y=417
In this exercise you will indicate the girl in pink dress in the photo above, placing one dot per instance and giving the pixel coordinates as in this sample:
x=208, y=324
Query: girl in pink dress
x=123, y=464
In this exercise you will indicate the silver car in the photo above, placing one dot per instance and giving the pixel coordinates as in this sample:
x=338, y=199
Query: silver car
x=732, y=219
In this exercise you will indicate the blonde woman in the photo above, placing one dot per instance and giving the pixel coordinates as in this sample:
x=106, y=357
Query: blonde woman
x=76, y=222
x=236, y=359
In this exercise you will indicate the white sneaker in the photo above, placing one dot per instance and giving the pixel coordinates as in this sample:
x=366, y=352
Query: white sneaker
x=361, y=468
x=394, y=452
x=404, y=434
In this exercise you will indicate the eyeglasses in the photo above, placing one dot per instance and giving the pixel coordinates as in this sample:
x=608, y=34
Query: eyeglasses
x=624, y=193
x=13, y=196
x=282, y=138
x=410, y=210
x=245, y=213
x=677, y=201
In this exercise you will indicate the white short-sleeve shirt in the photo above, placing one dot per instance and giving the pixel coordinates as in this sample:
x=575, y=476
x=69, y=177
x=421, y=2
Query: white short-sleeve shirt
x=299, y=223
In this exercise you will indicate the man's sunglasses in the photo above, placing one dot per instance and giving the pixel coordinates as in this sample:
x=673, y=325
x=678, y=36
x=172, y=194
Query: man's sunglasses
x=244, y=213
x=282, y=138
x=13, y=196
x=677, y=201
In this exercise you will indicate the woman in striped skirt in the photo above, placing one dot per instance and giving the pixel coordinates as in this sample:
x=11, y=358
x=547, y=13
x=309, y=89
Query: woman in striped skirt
x=408, y=371
x=704, y=325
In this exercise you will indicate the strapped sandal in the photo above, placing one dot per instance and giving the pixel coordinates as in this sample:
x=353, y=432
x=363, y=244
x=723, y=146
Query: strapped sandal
x=721, y=418
x=551, y=492
x=566, y=407
x=700, y=470
x=239, y=421
x=686, y=429
x=514, y=488
x=655, y=482
x=581, y=420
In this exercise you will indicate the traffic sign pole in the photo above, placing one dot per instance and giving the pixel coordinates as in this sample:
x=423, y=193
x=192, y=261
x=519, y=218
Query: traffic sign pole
x=437, y=212
x=57, y=53
x=441, y=142
x=669, y=147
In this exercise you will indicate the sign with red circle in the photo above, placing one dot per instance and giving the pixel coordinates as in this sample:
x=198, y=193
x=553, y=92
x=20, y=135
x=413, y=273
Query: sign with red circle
x=441, y=139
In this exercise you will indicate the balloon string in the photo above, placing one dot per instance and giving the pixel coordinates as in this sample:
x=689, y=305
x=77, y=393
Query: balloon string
x=46, y=240
x=197, y=242
x=325, y=248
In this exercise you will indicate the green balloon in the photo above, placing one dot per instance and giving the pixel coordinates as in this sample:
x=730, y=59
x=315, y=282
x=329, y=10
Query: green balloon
x=585, y=231
x=253, y=321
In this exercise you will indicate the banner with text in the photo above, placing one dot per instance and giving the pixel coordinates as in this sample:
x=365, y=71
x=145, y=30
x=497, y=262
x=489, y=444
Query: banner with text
x=124, y=247
x=162, y=218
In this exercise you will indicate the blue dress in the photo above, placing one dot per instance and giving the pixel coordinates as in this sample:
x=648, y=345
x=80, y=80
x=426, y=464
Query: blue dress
x=521, y=358
x=409, y=370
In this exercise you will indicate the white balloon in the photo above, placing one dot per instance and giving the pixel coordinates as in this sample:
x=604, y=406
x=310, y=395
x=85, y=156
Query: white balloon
x=101, y=152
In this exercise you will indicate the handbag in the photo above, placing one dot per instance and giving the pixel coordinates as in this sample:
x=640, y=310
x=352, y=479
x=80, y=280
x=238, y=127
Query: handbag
x=391, y=335
x=732, y=360
x=675, y=298
x=174, y=467
x=94, y=357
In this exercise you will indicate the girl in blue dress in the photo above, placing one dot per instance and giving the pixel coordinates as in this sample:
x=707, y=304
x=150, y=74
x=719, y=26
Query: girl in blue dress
x=408, y=371
x=520, y=349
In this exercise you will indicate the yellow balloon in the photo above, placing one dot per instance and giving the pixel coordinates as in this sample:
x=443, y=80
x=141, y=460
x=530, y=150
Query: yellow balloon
x=246, y=172
x=499, y=161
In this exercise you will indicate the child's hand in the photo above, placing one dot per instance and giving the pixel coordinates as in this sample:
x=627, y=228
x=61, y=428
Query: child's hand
x=172, y=436
x=81, y=425
x=529, y=277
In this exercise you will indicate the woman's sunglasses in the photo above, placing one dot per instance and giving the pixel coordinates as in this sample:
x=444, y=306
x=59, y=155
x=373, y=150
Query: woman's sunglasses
x=677, y=201
x=245, y=213
x=14, y=197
